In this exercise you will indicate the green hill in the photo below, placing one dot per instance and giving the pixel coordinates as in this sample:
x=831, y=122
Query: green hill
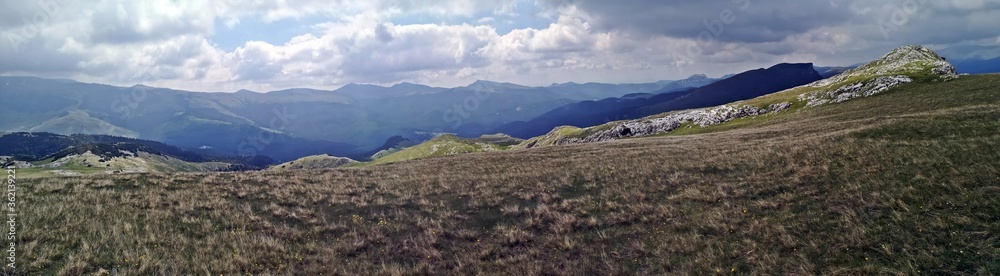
x=313, y=163
x=79, y=122
x=449, y=144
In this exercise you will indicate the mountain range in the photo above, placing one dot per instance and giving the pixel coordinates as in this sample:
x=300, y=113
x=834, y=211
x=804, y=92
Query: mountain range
x=291, y=123
x=356, y=120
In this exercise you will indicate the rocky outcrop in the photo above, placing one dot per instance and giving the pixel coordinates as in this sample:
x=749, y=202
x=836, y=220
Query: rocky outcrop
x=701, y=117
x=893, y=69
x=900, y=61
x=854, y=90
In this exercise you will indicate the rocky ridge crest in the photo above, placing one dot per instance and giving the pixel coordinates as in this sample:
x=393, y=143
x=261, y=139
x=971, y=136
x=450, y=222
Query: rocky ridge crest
x=893, y=69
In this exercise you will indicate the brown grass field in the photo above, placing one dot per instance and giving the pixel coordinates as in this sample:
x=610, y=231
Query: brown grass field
x=904, y=182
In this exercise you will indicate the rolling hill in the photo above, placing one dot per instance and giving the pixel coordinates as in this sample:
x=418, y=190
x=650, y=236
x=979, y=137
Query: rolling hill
x=449, y=144
x=314, y=163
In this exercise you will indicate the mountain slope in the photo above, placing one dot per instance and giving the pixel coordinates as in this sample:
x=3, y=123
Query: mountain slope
x=738, y=87
x=392, y=145
x=902, y=65
x=742, y=86
x=79, y=122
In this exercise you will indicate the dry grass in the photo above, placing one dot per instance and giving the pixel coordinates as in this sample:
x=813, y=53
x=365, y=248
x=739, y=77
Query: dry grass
x=900, y=183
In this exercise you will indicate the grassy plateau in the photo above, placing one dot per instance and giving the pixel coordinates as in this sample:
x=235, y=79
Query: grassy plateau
x=903, y=182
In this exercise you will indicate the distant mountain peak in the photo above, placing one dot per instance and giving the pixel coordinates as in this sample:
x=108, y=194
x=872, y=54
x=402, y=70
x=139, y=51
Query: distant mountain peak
x=360, y=85
x=485, y=82
x=408, y=85
x=485, y=85
x=556, y=84
x=697, y=77
x=793, y=65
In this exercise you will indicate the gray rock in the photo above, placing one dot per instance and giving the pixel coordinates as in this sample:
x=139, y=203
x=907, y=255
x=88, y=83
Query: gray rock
x=854, y=90
x=701, y=117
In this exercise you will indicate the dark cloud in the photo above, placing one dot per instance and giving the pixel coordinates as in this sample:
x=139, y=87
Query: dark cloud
x=756, y=21
x=382, y=33
x=741, y=20
x=37, y=54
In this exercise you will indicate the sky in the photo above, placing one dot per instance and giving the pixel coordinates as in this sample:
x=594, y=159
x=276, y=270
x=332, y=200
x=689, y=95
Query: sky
x=227, y=45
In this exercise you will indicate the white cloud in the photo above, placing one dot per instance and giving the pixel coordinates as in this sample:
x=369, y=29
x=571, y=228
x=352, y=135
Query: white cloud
x=169, y=43
x=485, y=20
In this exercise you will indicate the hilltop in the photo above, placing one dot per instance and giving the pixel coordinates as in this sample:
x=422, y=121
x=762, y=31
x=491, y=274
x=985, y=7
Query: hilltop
x=314, y=163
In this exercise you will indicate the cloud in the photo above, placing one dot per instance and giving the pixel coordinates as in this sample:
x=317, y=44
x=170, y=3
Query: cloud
x=134, y=21
x=414, y=48
x=451, y=42
x=752, y=21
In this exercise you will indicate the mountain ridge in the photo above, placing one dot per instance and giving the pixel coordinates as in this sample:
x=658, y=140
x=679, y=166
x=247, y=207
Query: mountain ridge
x=738, y=87
x=902, y=65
